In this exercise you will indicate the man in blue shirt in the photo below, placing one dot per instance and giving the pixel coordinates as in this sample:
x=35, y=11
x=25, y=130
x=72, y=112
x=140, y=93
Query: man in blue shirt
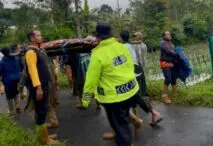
x=10, y=71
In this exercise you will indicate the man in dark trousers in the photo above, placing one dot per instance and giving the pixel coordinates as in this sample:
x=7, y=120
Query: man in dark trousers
x=111, y=77
x=39, y=76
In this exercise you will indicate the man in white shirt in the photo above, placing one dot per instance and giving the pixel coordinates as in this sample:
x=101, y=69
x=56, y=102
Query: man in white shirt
x=141, y=49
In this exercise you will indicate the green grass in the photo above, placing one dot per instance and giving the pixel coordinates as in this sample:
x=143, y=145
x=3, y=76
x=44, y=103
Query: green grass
x=200, y=94
x=11, y=134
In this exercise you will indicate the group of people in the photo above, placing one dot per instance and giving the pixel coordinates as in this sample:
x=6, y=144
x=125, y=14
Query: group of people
x=113, y=74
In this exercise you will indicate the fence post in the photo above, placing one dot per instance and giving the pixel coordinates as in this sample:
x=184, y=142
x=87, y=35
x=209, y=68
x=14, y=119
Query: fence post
x=211, y=50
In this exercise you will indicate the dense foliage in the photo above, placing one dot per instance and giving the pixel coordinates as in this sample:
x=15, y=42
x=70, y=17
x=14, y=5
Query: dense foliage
x=188, y=20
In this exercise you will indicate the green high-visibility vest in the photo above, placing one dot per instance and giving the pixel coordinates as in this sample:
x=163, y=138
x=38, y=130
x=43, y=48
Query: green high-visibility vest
x=110, y=74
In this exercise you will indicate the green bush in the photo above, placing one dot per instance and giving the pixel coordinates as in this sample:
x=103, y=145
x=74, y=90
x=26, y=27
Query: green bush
x=195, y=26
x=8, y=39
x=152, y=38
x=153, y=44
x=178, y=36
x=57, y=32
x=49, y=33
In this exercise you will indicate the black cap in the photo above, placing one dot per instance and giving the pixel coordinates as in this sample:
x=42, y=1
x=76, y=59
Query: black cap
x=125, y=36
x=14, y=50
x=5, y=51
x=103, y=31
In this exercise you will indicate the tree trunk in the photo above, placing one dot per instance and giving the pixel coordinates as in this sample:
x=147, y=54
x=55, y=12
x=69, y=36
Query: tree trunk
x=52, y=13
x=67, y=10
x=78, y=27
x=119, y=16
x=168, y=15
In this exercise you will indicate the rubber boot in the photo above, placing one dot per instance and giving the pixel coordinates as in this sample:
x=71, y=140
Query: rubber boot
x=52, y=118
x=17, y=105
x=2, y=88
x=43, y=137
x=11, y=107
x=109, y=135
x=23, y=95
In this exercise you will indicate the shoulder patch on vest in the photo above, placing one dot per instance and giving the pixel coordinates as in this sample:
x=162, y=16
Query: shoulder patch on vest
x=119, y=60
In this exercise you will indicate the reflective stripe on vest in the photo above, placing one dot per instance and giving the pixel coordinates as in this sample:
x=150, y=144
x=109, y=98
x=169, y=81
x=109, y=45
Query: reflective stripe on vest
x=126, y=87
x=120, y=89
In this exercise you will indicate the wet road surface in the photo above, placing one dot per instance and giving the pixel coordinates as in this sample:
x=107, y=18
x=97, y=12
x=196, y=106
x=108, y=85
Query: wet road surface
x=182, y=126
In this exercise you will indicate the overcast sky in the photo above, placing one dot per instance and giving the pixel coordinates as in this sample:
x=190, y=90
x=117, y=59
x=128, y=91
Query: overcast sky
x=113, y=3
x=92, y=3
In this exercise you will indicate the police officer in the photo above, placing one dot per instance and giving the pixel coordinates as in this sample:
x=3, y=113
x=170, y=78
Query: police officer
x=111, y=77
